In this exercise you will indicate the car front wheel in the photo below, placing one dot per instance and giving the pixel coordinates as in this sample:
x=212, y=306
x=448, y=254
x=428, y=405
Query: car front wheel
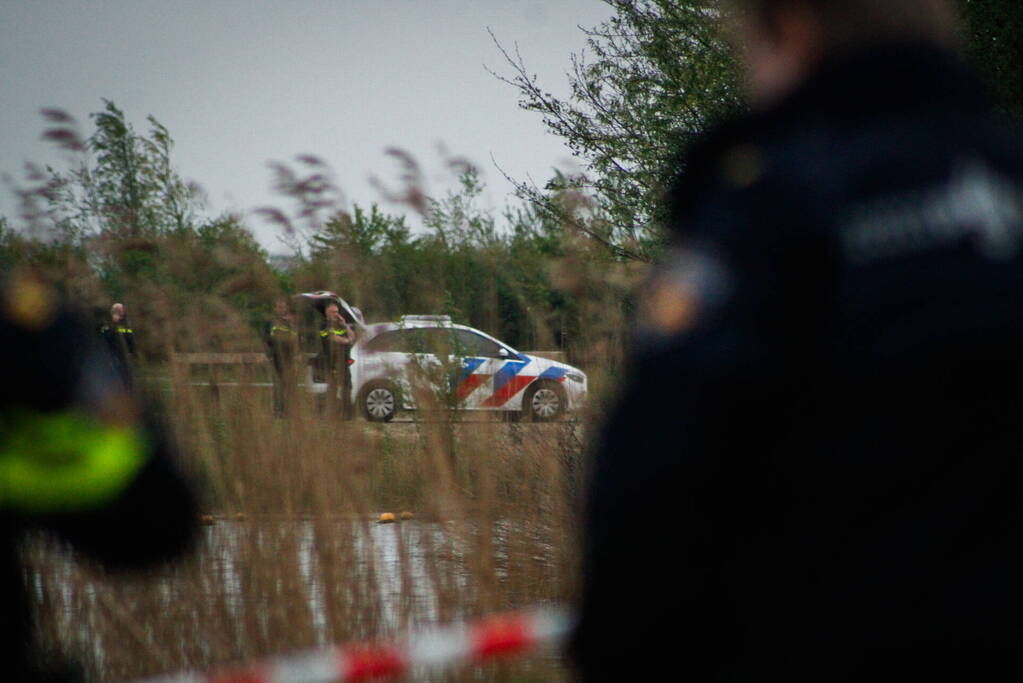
x=379, y=401
x=544, y=401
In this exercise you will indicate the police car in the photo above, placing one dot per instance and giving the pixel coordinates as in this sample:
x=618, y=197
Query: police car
x=429, y=358
x=428, y=361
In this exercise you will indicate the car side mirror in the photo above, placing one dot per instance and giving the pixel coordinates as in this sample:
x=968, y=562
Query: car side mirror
x=503, y=352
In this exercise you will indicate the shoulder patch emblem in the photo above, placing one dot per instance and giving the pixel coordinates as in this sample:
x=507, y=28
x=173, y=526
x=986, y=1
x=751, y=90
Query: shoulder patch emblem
x=671, y=308
x=30, y=304
x=688, y=284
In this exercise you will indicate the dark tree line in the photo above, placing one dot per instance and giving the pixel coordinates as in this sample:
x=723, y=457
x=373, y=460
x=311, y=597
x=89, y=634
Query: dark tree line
x=121, y=225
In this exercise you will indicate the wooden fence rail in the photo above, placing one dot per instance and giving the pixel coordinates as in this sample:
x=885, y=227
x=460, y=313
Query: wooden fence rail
x=215, y=362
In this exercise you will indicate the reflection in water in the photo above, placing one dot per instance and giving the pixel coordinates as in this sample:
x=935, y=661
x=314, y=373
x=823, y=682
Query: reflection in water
x=260, y=586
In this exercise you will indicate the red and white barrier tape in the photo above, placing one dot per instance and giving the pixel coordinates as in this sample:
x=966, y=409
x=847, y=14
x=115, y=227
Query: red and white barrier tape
x=432, y=650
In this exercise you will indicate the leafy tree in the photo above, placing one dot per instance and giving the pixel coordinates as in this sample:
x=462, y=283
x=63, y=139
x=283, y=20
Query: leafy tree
x=128, y=186
x=362, y=232
x=656, y=74
x=11, y=246
x=993, y=32
x=658, y=71
x=121, y=225
x=456, y=220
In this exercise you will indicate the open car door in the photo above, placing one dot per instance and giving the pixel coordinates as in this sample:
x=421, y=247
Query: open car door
x=320, y=300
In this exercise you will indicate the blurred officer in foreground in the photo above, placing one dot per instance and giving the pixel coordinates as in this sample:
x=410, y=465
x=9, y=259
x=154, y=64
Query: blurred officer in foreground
x=77, y=457
x=814, y=469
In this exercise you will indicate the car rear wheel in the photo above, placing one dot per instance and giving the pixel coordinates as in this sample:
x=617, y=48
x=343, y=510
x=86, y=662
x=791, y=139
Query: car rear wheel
x=544, y=401
x=379, y=401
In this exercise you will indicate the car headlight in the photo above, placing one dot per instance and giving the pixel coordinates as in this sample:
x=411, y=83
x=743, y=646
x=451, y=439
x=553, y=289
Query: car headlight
x=575, y=377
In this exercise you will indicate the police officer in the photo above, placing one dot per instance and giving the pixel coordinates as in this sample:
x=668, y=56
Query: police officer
x=120, y=341
x=813, y=469
x=337, y=337
x=77, y=457
x=281, y=339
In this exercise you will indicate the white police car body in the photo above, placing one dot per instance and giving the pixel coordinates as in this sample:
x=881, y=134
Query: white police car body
x=428, y=361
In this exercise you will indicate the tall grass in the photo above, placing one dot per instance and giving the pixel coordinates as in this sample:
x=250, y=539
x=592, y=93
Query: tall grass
x=293, y=556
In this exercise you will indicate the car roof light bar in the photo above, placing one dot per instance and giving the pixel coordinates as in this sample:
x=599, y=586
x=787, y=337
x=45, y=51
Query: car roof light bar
x=426, y=318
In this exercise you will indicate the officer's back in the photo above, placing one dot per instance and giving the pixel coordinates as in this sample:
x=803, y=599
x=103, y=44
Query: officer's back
x=827, y=414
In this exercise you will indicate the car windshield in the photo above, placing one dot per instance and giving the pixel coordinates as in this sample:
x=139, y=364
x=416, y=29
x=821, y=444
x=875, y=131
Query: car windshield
x=467, y=343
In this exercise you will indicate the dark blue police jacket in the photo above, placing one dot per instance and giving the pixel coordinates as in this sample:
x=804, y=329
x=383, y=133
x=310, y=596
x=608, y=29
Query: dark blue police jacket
x=814, y=469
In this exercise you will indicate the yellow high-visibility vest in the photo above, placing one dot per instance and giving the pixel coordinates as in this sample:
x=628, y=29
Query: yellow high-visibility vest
x=65, y=462
x=338, y=333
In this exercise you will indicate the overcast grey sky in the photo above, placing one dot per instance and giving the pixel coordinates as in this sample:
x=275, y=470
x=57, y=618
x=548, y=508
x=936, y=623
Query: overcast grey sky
x=242, y=82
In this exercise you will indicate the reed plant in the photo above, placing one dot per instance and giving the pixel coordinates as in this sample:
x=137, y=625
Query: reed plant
x=293, y=557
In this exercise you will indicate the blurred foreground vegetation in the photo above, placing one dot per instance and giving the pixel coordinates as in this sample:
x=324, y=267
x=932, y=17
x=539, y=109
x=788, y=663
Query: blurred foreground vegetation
x=292, y=555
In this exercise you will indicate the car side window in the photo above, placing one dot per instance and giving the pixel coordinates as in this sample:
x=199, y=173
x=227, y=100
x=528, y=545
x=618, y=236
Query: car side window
x=392, y=340
x=435, y=340
x=468, y=343
x=412, y=340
